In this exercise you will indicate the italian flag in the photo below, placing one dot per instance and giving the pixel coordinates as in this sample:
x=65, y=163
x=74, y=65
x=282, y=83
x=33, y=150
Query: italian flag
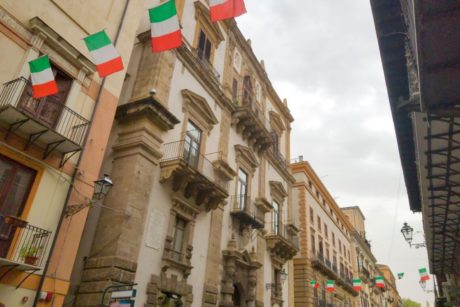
x=43, y=83
x=165, y=29
x=379, y=282
x=330, y=286
x=423, y=274
x=314, y=284
x=400, y=275
x=225, y=9
x=357, y=284
x=104, y=54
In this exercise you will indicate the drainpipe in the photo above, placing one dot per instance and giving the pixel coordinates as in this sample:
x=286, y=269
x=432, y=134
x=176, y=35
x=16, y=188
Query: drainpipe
x=74, y=175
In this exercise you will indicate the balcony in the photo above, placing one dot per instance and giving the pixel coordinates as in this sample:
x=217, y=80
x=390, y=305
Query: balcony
x=249, y=120
x=365, y=274
x=46, y=122
x=193, y=174
x=22, y=246
x=245, y=210
x=282, y=243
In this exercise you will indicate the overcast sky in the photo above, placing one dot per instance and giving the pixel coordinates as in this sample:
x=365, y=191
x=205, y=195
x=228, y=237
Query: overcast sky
x=323, y=57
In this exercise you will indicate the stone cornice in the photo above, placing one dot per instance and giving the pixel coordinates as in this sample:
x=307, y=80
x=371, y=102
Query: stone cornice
x=150, y=108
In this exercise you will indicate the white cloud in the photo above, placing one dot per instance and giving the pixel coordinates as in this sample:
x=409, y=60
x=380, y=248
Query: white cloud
x=323, y=57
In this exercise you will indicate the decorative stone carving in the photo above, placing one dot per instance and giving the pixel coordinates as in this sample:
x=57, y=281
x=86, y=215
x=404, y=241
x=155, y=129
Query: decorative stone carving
x=199, y=108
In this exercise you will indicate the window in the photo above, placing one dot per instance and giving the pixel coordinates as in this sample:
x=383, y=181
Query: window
x=192, y=144
x=320, y=245
x=204, y=47
x=15, y=183
x=327, y=252
x=276, y=218
x=313, y=245
x=275, y=138
x=48, y=109
x=333, y=239
x=319, y=223
x=235, y=90
x=179, y=238
x=247, y=91
x=312, y=216
x=340, y=246
x=325, y=231
x=242, y=189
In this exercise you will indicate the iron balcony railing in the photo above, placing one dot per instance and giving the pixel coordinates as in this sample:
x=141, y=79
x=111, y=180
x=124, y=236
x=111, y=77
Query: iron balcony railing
x=187, y=153
x=244, y=204
x=248, y=101
x=280, y=159
x=279, y=229
x=205, y=64
x=23, y=243
x=69, y=124
x=365, y=272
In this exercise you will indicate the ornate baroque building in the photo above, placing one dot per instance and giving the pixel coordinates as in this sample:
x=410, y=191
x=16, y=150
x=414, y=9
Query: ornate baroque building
x=201, y=212
x=51, y=149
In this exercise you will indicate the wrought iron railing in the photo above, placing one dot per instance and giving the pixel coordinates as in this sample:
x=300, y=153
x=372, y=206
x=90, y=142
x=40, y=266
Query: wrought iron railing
x=22, y=242
x=71, y=125
x=205, y=64
x=184, y=151
x=243, y=203
x=280, y=159
x=254, y=108
x=279, y=229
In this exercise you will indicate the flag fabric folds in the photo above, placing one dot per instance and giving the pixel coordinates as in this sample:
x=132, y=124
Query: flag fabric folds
x=165, y=30
x=314, y=284
x=225, y=9
x=357, y=284
x=43, y=83
x=423, y=274
x=379, y=282
x=104, y=54
x=330, y=286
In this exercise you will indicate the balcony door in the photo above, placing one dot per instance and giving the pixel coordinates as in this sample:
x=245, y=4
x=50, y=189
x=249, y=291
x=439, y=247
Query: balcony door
x=242, y=189
x=47, y=110
x=247, y=91
x=192, y=144
x=15, y=183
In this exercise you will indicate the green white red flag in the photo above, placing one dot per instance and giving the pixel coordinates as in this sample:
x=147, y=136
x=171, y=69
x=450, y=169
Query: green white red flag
x=43, y=83
x=400, y=275
x=423, y=274
x=104, y=54
x=379, y=282
x=225, y=9
x=330, y=287
x=165, y=30
x=314, y=284
x=357, y=284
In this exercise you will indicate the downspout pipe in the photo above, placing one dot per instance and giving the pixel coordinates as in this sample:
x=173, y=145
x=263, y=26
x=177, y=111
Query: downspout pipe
x=77, y=167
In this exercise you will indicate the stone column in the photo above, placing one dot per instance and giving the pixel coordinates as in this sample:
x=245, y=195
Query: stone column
x=117, y=242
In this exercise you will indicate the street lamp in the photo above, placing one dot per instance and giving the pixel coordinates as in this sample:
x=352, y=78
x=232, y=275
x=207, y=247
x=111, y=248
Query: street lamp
x=408, y=232
x=102, y=187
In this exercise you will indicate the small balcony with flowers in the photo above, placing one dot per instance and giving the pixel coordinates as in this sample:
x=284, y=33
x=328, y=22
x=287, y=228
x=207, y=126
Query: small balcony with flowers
x=23, y=247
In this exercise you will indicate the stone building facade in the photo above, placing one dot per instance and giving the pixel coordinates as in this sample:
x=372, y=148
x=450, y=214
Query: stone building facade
x=325, y=244
x=51, y=149
x=391, y=296
x=201, y=212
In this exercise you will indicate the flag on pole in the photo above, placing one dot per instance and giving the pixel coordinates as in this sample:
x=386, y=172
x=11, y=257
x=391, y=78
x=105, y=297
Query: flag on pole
x=423, y=274
x=314, y=284
x=165, y=30
x=330, y=286
x=400, y=275
x=357, y=284
x=225, y=9
x=379, y=282
x=43, y=83
x=104, y=54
